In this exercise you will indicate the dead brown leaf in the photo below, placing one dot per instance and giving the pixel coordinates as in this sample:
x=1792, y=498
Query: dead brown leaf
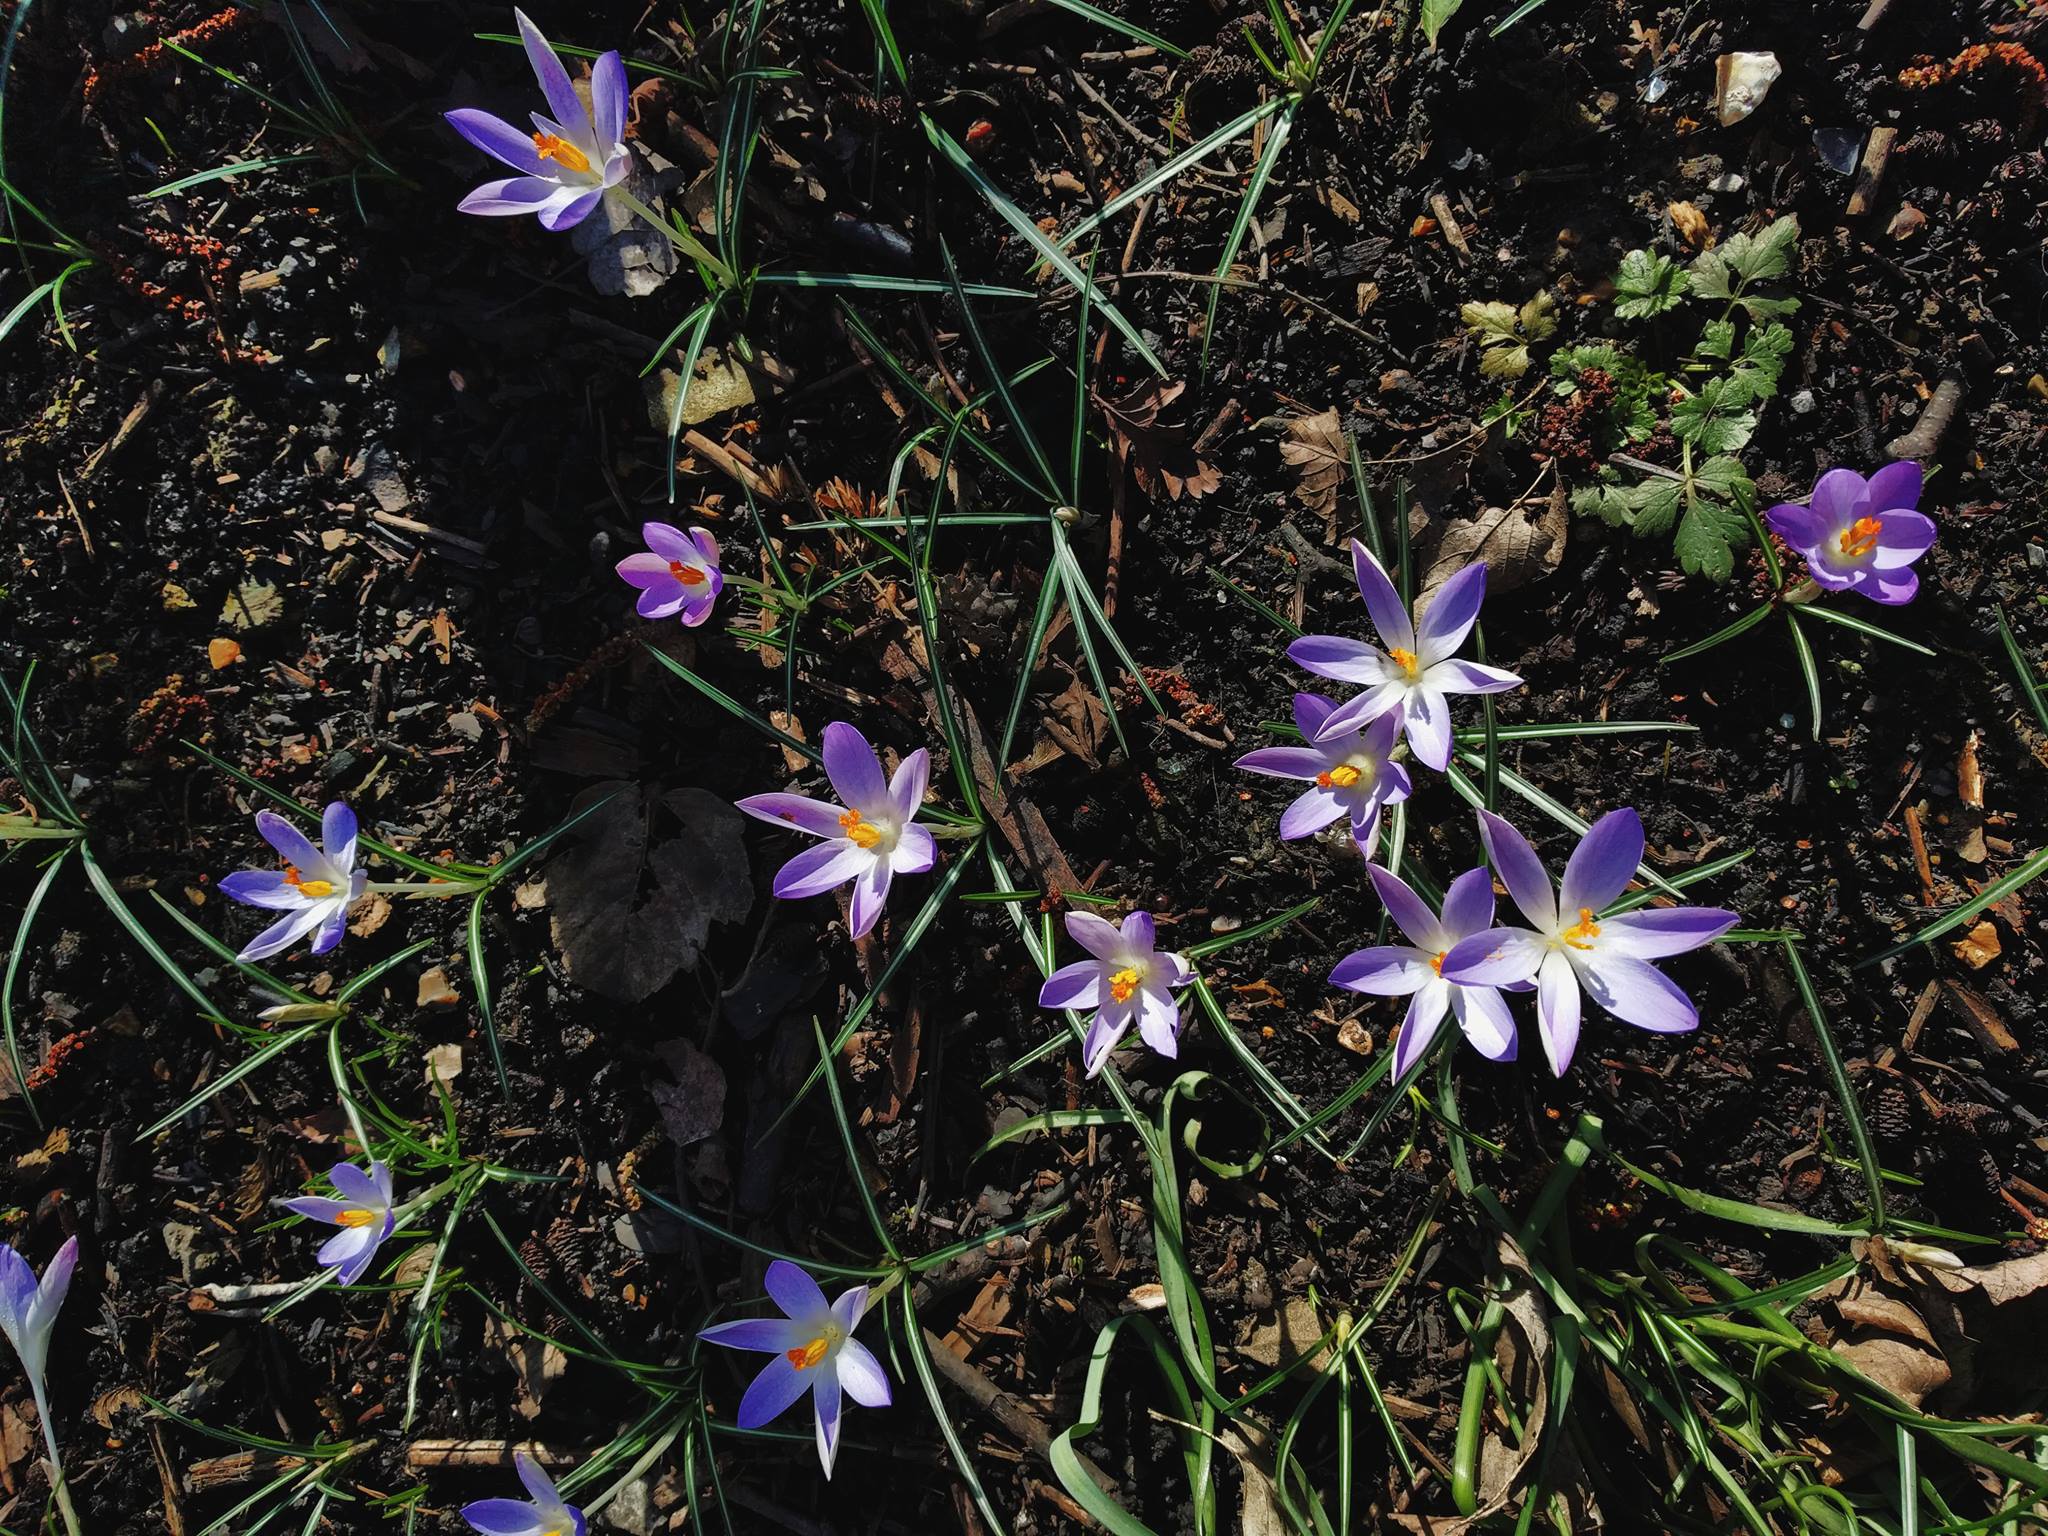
x=1980, y=1017
x=1313, y=447
x=1156, y=452
x=1980, y=947
x=1520, y=544
x=1690, y=223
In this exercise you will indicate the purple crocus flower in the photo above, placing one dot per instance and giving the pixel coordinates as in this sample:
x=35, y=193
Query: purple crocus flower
x=869, y=839
x=28, y=1307
x=1569, y=947
x=541, y=1513
x=1411, y=677
x=363, y=1213
x=570, y=159
x=680, y=576
x=1127, y=979
x=815, y=1351
x=1349, y=770
x=313, y=890
x=1416, y=970
x=1861, y=535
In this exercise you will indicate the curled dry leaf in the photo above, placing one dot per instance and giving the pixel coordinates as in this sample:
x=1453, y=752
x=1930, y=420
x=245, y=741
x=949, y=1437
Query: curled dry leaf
x=1939, y=1336
x=1520, y=544
x=1156, y=452
x=1313, y=447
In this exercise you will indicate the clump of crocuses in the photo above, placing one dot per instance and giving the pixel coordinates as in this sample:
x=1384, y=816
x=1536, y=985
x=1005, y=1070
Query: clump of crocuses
x=678, y=577
x=1411, y=678
x=313, y=890
x=814, y=1351
x=869, y=839
x=1127, y=980
x=363, y=1213
x=571, y=158
x=543, y=1512
x=1861, y=535
x=1569, y=948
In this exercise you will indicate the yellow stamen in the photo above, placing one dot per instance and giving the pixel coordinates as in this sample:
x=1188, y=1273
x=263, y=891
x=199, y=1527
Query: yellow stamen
x=1581, y=933
x=1123, y=984
x=804, y=1356
x=863, y=834
x=1405, y=660
x=1343, y=776
x=357, y=1218
x=1436, y=961
x=1860, y=537
x=688, y=575
x=316, y=889
x=552, y=146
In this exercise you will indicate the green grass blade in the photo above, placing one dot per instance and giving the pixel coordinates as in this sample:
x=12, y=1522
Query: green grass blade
x=1258, y=930
x=1019, y=423
x=1808, y=667
x=2020, y=666
x=243, y=1068
x=1990, y=896
x=736, y=709
x=1087, y=605
x=1864, y=627
x=880, y=282
x=1035, y=237
x=1542, y=802
x=480, y=978
x=239, y=168
x=111, y=899
x=1286, y=626
x=1041, y=621
x=837, y=1098
x=1845, y=1091
x=1153, y=180
x=1129, y=29
x=877, y=14
x=1741, y=626
x=920, y=1360
x=22, y=931
x=699, y=330
x=1247, y=205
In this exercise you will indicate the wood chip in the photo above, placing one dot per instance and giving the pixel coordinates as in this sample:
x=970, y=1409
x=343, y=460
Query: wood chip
x=1981, y=1018
x=1981, y=947
x=1877, y=154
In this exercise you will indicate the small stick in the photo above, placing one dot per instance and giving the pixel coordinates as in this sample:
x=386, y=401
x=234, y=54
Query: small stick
x=1934, y=420
x=1920, y=857
x=1004, y=1409
x=1877, y=153
x=1873, y=14
x=481, y=1453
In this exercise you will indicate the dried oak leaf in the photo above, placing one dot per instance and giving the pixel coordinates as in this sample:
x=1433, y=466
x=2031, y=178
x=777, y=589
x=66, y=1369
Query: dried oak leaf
x=1520, y=544
x=1313, y=447
x=630, y=911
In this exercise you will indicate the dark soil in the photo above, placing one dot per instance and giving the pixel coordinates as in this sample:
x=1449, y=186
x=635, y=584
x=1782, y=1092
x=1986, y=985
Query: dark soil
x=426, y=434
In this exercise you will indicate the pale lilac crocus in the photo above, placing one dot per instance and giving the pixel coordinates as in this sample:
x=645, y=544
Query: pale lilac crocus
x=815, y=1352
x=1568, y=948
x=1349, y=772
x=28, y=1314
x=1861, y=535
x=570, y=159
x=1126, y=980
x=1415, y=970
x=313, y=890
x=1419, y=667
x=363, y=1213
x=679, y=574
x=543, y=1512
x=869, y=839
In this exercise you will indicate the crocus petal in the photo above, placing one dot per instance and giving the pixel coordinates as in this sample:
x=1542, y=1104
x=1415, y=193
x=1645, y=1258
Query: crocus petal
x=263, y=888
x=791, y=1288
x=906, y=789
x=1557, y=1011
x=916, y=851
x=1427, y=717
x=1390, y=970
x=668, y=542
x=1310, y=813
x=317, y=1208
x=1519, y=870
x=825, y=1404
x=291, y=844
x=498, y=139
x=284, y=933
x=820, y=869
x=1637, y=993
x=1654, y=933
x=1419, y=1027
x=1178, y=972
x=56, y=1282
x=707, y=546
x=779, y=1384
x=1139, y=934
x=502, y=1517
x=1602, y=865
x=1451, y=615
x=1158, y=1021
x=1285, y=762
x=1468, y=904
x=850, y=1306
x=17, y=1291
x=1890, y=587
x=566, y=212
x=1495, y=958
x=646, y=570
x=1382, y=599
x=1801, y=527
x=563, y=101
x=817, y=817
x=861, y=1375
x=767, y=1335
x=1409, y=911
x=1836, y=495
x=1310, y=711
x=661, y=602
x=1099, y=937
x=608, y=93
x=1103, y=1033
x=697, y=608
x=1455, y=676
x=331, y=927
x=1348, y=661
x=855, y=772
x=1483, y=1016
x=870, y=896
x=1902, y=538
x=1376, y=703
x=1895, y=488
x=354, y=1185
x=533, y=1477
x=512, y=196
x=1073, y=986
x=349, y=1251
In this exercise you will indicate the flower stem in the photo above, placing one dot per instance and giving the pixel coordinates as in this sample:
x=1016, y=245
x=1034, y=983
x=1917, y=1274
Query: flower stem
x=423, y=890
x=59, y=1490
x=682, y=240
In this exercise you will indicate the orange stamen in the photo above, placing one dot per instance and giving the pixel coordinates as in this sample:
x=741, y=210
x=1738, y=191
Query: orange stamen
x=313, y=888
x=1860, y=537
x=863, y=834
x=688, y=575
x=1123, y=984
x=1343, y=776
x=356, y=1218
x=552, y=146
x=1436, y=961
x=1405, y=660
x=804, y=1356
x=1581, y=933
